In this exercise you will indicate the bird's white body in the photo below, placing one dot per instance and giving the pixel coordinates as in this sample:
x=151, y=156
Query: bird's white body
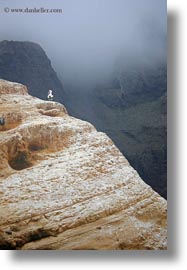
x=50, y=95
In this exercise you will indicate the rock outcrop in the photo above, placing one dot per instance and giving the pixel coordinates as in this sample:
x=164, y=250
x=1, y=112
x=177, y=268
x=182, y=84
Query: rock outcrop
x=64, y=185
x=27, y=63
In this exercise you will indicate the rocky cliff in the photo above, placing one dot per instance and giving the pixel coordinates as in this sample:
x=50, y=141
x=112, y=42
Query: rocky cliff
x=64, y=185
x=27, y=63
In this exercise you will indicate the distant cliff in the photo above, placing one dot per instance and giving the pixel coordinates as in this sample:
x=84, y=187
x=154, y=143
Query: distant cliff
x=131, y=108
x=27, y=63
x=64, y=185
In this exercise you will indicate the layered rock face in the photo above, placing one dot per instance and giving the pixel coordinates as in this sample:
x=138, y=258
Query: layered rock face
x=66, y=186
x=27, y=63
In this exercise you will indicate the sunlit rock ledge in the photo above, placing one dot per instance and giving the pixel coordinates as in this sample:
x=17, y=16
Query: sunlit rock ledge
x=64, y=185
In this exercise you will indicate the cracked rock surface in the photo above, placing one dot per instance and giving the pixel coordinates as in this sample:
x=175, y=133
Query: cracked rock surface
x=64, y=185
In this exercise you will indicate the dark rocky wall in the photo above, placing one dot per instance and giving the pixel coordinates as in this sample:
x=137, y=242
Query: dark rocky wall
x=27, y=63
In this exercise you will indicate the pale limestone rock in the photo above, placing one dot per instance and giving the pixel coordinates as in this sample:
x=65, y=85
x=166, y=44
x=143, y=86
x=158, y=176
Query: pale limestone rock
x=64, y=185
x=53, y=112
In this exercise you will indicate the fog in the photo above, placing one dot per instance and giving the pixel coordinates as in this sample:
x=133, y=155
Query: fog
x=90, y=37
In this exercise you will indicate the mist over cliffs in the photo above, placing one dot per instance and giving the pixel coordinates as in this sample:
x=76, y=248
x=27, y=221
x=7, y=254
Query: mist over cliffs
x=131, y=108
x=129, y=105
x=97, y=170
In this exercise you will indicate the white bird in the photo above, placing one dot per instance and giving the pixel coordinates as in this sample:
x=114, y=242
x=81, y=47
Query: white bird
x=50, y=95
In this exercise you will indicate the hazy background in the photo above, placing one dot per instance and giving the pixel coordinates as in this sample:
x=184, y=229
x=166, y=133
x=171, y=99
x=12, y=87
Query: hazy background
x=87, y=40
x=111, y=58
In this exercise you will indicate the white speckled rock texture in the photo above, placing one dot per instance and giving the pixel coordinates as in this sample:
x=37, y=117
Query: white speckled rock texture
x=63, y=185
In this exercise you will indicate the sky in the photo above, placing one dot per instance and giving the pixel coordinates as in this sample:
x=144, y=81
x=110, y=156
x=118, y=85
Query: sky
x=89, y=36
